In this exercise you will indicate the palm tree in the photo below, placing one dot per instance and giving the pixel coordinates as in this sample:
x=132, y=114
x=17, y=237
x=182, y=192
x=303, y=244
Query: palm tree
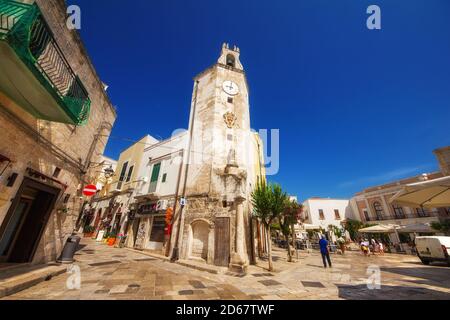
x=268, y=202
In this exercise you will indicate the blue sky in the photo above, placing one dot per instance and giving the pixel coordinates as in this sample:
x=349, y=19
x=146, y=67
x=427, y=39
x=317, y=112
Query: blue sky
x=355, y=107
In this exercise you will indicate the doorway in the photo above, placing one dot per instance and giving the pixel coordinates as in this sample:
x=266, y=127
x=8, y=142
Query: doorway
x=135, y=229
x=222, y=242
x=200, y=233
x=25, y=221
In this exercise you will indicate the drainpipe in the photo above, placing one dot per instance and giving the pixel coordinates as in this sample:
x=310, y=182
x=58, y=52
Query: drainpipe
x=176, y=250
x=176, y=203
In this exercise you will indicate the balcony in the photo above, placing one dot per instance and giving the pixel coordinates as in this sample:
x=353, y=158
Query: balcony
x=33, y=70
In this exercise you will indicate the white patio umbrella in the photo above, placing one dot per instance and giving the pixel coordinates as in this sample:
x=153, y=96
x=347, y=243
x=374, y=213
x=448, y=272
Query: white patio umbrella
x=382, y=228
x=379, y=228
x=428, y=194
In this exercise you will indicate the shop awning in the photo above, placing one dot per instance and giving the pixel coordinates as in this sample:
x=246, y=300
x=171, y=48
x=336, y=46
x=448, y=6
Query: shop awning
x=428, y=194
x=307, y=226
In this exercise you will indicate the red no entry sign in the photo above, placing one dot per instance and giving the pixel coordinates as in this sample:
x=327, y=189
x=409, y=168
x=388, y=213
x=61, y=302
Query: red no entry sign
x=89, y=190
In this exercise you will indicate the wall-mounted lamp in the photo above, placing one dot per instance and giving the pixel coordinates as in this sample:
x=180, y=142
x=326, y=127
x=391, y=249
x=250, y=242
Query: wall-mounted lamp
x=109, y=172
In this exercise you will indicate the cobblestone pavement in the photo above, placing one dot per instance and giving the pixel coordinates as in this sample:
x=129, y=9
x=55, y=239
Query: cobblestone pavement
x=112, y=273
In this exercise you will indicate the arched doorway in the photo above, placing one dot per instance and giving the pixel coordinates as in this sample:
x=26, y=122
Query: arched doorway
x=200, y=235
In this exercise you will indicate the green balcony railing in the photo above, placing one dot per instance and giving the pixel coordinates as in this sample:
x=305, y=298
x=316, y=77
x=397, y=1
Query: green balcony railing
x=26, y=31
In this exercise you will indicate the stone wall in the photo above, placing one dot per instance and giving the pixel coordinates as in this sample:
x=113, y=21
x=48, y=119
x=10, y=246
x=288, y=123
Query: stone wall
x=43, y=145
x=443, y=156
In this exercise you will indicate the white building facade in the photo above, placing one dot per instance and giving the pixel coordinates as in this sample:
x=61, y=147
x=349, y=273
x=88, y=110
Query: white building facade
x=322, y=212
x=159, y=176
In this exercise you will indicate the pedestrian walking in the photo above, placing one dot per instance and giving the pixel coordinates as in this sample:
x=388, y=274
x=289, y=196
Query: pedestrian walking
x=325, y=252
x=365, y=248
x=380, y=243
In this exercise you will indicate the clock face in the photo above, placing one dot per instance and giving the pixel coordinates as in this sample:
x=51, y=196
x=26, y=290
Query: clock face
x=230, y=88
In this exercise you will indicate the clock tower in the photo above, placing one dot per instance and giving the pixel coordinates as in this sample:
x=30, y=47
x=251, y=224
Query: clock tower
x=215, y=221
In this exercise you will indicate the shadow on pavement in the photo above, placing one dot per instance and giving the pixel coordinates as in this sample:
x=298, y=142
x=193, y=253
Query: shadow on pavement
x=361, y=292
x=426, y=273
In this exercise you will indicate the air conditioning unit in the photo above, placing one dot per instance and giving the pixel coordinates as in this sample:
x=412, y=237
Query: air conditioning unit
x=161, y=205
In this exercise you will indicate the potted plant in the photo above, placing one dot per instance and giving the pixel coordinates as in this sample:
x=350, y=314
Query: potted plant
x=111, y=239
x=106, y=237
x=341, y=244
x=88, y=231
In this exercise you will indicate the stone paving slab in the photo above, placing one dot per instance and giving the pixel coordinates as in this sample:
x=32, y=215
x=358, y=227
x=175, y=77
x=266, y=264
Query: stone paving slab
x=145, y=276
x=23, y=278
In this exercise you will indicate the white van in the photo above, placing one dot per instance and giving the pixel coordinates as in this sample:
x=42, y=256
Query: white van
x=433, y=249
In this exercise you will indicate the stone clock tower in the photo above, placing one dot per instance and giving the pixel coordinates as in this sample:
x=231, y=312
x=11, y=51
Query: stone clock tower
x=215, y=221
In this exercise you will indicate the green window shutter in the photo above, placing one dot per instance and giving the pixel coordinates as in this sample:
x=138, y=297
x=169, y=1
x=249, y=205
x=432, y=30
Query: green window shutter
x=155, y=176
x=130, y=172
x=124, y=170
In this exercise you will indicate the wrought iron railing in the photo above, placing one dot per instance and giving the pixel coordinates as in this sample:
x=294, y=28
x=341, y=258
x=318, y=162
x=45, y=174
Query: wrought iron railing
x=403, y=216
x=26, y=30
x=10, y=13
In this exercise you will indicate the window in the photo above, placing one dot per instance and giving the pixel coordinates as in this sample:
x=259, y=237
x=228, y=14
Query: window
x=66, y=198
x=421, y=212
x=398, y=212
x=231, y=61
x=321, y=215
x=157, y=232
x=366, y=215
x=123, y=172
x=337, y=214
x=378, y=210
x=230, y=100
x=56, y=172
x=155, y=177
x=164, y=177
x=130, y=172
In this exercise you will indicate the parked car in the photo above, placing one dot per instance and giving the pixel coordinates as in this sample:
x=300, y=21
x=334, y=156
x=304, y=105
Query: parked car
x=431, y=249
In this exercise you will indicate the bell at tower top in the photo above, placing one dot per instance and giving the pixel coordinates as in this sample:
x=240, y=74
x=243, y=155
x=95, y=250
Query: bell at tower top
x=230, y=57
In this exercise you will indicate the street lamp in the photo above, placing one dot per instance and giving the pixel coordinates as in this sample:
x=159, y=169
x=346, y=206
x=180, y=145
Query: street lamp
x=109, y=172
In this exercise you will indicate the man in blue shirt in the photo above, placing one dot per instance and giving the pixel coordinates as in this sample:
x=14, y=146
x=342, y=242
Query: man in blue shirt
x=323, y=243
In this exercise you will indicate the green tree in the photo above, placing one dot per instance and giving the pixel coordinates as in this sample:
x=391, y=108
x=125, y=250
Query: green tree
x=443, y=226
x=336, y=230
x=288, y=219
x=268, y=202
x=352, y=226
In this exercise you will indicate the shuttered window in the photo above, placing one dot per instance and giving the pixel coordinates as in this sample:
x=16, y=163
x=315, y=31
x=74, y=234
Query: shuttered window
x=155, y=177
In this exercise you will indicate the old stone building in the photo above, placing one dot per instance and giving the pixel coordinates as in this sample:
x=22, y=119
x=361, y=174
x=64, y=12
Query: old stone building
x=373, y=205
x=55, y=120
x=220, y=168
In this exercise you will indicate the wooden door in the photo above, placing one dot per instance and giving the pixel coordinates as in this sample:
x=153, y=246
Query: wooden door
x=222, y=242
